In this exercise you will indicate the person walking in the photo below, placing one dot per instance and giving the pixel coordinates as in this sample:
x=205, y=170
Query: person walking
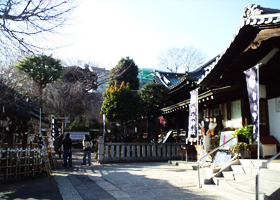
x=87, y=147
x=67, y=150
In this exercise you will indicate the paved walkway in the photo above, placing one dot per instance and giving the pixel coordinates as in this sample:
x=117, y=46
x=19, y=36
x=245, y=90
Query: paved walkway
x=150, y=180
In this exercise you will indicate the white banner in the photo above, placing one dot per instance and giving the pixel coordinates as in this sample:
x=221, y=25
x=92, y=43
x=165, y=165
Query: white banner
x=193, y=114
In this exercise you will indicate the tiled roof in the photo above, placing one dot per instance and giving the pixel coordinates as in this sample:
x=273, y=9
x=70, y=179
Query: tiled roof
x=172, y=80
x=168, y=79
x=254, y=15
x=200, y=70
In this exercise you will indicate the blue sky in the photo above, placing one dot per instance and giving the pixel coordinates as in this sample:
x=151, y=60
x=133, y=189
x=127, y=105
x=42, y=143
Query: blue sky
x=104, y=31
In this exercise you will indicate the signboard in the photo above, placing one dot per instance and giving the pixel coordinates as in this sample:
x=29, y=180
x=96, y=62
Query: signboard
x=225, y=136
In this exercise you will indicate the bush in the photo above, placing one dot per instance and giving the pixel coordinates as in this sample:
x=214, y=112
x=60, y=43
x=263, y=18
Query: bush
x=246, y=132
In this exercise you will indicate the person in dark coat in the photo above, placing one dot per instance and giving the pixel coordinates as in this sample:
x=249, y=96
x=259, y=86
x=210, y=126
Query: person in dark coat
x=60, y=150
x=67, y=150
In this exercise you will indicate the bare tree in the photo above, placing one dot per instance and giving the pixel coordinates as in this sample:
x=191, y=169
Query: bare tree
x=27, y=24
x=175, y=58
x=65, y=99
x=15, y=86
x=76, y=93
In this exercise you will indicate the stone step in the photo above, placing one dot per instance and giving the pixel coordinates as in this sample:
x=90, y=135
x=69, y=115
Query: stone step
x=228, y=191
x=185, y=164
x=243, y=169
x=220, y=180
x=246, y=183
x=237, y=169
x=228, y=175
x=269, y=174
x=274, y=165
x=265, y=187
x=247, y=162
x=265, y=173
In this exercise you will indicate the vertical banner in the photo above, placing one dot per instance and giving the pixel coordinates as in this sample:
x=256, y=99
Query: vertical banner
x=252, y=88
x=193, y=113
x=52, y=127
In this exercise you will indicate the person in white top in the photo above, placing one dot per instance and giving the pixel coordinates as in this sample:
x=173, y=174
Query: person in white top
x=87, y=147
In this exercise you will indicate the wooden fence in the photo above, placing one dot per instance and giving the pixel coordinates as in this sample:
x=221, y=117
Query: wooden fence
x=17, y=163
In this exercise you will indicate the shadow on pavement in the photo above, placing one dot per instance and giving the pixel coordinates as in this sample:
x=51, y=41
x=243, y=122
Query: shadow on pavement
x=41, y=188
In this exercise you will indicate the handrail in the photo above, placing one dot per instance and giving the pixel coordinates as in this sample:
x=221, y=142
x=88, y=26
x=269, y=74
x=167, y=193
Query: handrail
x=207, y=155
x=258, y=173
x=275, y=156
x=216, y=149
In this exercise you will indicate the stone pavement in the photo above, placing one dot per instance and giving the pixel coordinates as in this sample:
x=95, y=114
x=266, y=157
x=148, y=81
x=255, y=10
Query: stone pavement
x=123, y=181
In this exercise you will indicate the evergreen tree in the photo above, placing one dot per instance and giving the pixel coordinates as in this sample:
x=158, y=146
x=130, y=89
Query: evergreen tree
x=42, y=70
x=120, y=104
x=153, y=97
x=126, y=71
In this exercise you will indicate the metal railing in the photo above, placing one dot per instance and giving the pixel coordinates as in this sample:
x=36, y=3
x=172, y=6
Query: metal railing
x=198, y=162
x=258, y=174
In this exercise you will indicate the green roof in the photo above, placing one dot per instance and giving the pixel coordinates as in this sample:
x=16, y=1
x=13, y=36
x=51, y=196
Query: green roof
x=145, y=76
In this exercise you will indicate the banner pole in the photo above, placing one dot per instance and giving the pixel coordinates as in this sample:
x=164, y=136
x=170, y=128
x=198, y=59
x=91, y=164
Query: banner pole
x=252, y=82
x=197, y=137
x=258, y=88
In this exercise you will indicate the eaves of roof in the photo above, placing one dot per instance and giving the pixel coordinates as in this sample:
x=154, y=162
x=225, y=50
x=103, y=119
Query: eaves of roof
x=259, y=18
x=210, y=94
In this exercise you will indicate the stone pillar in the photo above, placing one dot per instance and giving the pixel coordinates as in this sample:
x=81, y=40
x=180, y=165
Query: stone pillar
x=154, y=153
x=101, y=149
x=144, y=150
x=112, y=151
x=107, y=150
x=168, y=151
x=133, y=150
x=149, y=150
x=173, y=150
x=123, y=151
x=128, y=151
x=178, y=150
x=138, y=151
x=159, y=150
x=164, y=150
x=118, y=151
